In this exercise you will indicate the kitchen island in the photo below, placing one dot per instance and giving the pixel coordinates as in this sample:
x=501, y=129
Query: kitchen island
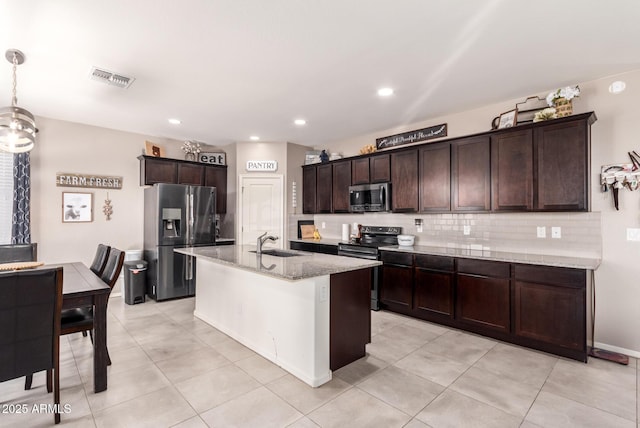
x=308, y=313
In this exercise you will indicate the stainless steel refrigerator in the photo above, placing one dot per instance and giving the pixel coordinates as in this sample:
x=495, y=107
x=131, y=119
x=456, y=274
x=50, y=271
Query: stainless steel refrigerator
x=176, y=216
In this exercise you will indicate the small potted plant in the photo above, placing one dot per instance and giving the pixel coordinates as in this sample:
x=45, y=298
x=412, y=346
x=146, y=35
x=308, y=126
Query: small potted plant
x=561, y=100
x=191, y=150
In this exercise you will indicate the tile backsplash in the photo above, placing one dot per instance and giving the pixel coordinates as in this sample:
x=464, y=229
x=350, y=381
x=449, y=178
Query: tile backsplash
x=516, y=232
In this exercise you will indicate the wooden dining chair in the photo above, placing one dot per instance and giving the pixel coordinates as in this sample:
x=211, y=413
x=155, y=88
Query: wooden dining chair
x=81, y=319
x=100, y=259
x=30, y=307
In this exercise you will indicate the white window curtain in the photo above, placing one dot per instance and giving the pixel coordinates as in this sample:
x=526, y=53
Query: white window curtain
x=6, y=196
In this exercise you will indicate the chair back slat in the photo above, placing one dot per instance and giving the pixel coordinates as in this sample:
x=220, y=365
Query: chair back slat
x=113, y=267
x=100, y=259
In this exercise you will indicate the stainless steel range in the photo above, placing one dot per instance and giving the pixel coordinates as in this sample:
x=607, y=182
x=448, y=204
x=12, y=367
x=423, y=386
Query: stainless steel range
x=371, y=238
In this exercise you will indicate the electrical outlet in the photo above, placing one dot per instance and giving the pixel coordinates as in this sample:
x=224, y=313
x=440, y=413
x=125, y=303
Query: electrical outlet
x=556, y=232
x=466, y=229
x=633, y=234
x=419, y=229
x=324, y=224
x=541, y=232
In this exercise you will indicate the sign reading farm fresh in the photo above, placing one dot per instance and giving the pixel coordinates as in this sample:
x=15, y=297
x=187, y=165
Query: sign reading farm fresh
x=87, y=180
x=262, y=165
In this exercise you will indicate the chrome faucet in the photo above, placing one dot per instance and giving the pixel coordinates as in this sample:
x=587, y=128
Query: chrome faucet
x=262, y=239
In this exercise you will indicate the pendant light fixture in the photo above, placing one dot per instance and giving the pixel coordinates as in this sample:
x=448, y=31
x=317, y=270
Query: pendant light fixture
x=17, y=125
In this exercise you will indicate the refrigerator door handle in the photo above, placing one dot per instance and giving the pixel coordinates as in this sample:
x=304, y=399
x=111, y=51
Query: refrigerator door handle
x=188, y=272
x=190, y=219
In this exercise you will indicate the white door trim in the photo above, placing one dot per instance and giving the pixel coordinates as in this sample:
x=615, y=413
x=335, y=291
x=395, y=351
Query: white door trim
x=239, y=208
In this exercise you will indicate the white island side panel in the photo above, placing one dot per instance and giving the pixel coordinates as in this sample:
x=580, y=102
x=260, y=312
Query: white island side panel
x=286, y=322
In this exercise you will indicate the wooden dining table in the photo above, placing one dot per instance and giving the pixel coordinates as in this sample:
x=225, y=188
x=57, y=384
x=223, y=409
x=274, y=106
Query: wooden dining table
x=80, y=288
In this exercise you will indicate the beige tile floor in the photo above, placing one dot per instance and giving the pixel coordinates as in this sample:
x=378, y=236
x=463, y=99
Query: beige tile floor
x=172, y=370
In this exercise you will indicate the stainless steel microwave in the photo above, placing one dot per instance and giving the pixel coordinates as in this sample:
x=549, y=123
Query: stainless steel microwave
x=370, y=197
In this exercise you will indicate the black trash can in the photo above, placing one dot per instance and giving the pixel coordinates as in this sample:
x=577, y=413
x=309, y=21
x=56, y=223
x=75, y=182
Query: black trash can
x=135, y=278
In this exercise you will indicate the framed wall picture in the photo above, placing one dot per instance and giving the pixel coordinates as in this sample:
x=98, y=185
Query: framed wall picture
x=77, y=207
x=152, y=149
x=508, y=119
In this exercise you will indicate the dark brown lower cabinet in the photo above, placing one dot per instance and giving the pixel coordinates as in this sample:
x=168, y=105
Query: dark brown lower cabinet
x=433, y=282
x=396, y=281
x=550, y=308
x=541, y=307
x=349, y=316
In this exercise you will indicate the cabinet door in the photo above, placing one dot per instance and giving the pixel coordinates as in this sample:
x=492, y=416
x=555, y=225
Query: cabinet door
x=433, y=294
x=380, y=167
x=512, y=171
x=341, y=183
x=323, y=188
x=550, y=305
x=562, y=161
x=190, y=174
x=396, y=286
x=483, y=302
x=157, y=171
x=471, y=174
x=308, y=189
x=360, y=171
x=404, y=181
x=435, y=178
x=216, y=176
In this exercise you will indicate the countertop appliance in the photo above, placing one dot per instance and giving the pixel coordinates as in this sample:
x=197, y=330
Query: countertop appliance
x=370, y=197
x=371, y=238
x=176, y=216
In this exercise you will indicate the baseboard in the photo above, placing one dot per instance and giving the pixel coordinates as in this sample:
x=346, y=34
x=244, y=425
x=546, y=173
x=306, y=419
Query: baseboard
x=629, y=352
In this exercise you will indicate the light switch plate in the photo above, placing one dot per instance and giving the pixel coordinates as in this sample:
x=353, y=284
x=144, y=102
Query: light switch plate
x=324, y=225
x=419, y=229
x=466, y=229
x=556, y=232
x=541, y=232
x=633, y=234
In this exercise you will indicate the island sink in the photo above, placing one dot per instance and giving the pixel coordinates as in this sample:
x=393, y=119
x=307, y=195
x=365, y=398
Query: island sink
x=279, y=253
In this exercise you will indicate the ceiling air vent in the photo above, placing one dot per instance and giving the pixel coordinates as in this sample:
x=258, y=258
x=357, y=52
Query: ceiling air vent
x=111, y=78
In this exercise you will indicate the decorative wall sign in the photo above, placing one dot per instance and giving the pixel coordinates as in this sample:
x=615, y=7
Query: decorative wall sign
x=412, y=136
x=87, y=180
x=262, y=165
x=213, y=158
x=152, y=149
x=77, y=207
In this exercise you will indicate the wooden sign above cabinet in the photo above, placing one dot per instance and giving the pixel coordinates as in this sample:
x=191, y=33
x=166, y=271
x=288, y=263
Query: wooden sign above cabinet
x=416, y=136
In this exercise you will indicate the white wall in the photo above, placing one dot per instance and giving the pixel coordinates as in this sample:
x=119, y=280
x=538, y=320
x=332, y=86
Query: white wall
x=613, y=135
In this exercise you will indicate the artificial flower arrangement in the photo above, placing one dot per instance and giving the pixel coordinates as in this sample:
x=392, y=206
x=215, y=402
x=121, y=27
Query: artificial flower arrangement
x=545, y=114
x=567, y=93
x=369, y=148
x=191, y=147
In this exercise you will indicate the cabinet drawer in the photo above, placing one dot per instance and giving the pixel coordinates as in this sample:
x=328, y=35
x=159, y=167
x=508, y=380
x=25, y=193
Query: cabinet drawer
x=434, y=262
x=483, y=267
x=551, y=275
x=396, y=258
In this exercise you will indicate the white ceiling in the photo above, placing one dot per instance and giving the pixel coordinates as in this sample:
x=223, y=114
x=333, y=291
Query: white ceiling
x=234, y=68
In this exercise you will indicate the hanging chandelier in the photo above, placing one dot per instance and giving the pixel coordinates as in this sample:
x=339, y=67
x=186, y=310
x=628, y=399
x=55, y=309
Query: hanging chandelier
x=17, y=125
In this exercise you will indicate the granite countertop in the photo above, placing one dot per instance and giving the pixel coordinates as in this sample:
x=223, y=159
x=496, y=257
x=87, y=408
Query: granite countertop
x=305, y=265
x=503, y=256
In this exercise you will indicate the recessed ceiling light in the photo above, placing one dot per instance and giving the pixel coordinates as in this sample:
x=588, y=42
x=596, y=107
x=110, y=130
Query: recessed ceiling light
x=617, y=87
x=254, y=138
x=300, y=122
x=175, y=121
x=385, y=92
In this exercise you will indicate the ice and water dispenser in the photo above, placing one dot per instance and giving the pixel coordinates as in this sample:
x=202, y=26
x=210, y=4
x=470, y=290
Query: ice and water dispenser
x=171, y=222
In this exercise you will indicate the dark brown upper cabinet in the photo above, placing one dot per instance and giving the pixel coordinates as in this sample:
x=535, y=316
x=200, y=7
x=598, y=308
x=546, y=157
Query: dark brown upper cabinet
x=374, y=169
x=341, y=183
x=562, y=159
x=324, y=189
x=163, y=170
x=309, y=189
x=404, y=181
x=380, y=167
x=217, y=177
x=471, y=174
x=512, y=171
x=435, y=177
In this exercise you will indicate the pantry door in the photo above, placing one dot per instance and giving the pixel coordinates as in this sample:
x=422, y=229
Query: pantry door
x=261, y=208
